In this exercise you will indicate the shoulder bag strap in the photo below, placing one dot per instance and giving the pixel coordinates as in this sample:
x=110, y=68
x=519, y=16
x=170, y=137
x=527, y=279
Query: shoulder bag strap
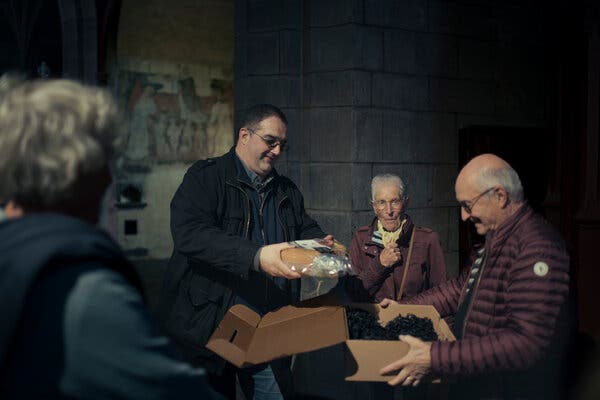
x=406, y=264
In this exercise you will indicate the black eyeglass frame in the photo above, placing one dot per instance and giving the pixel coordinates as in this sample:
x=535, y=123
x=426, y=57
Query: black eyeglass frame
x=468, y=205
x=272, y=142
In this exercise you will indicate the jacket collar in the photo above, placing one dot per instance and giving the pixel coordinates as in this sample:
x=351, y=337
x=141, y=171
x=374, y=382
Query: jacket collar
x=404, y=239
x=249, y=177
x=232, y=178
x=230, y=168
x=506, y=228
x=235, y=170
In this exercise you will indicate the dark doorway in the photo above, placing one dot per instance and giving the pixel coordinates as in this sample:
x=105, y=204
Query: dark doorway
x=30, y=37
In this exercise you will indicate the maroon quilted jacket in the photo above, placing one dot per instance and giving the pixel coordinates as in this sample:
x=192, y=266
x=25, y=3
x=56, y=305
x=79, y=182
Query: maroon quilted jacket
x=512, y=320
x=374, y=282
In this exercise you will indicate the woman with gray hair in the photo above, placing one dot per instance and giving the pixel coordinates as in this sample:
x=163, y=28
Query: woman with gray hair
x=393, y=258
x=74, y=324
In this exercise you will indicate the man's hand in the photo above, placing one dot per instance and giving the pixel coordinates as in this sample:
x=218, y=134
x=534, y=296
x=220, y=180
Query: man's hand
x=390, y=255
x=329, y=240
x=386, y=302
x=413, y=366
x=270, y=261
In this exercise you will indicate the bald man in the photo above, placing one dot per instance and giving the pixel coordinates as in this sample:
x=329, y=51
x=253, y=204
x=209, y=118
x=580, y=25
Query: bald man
x=508, y=306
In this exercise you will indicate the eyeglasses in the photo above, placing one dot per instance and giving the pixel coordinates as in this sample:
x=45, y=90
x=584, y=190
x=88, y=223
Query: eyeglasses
x=468, y=205
x=381, y=204
x=271, y=142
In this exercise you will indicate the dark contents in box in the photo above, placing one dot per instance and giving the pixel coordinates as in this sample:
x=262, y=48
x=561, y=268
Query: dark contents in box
x=363, y=325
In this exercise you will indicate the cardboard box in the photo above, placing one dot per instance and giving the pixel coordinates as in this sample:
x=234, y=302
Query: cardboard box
x=244, y=338
x=364, y=358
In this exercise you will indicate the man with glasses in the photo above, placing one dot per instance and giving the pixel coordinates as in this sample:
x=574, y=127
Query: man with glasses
x=392, y=257
x=510, y=306
x=230, y=219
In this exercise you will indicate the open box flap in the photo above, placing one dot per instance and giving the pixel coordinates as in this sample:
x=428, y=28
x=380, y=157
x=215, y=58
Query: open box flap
x=244, y=313
x=309, y=330
x=233, y=336
x=288, y=313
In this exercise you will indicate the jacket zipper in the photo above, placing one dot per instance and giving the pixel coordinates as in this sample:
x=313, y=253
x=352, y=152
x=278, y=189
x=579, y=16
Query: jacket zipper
x=475, y=288
x=285, y=234
x=248, y=211
x=260, y=214
x=288, y=284
x=264, y=239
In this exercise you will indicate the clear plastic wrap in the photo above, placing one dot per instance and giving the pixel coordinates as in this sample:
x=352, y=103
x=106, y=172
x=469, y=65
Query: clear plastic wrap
x=315, y=259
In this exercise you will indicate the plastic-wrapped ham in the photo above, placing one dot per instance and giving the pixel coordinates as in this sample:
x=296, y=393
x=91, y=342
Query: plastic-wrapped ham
x=314, y=258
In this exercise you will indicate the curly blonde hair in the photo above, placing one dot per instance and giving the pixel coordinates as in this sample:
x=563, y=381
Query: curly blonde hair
x=54, y=135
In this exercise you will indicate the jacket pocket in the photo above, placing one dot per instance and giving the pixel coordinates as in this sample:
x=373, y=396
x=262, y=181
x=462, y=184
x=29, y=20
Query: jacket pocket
x=233, y=221
x=290, y=224
x=197, y=309
x=201, y=291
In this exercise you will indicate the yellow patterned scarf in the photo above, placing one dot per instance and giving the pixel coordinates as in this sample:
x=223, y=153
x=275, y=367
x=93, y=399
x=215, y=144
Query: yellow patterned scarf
x=389, y=237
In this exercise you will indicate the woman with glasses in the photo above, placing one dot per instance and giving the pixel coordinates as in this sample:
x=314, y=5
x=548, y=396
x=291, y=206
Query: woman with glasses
x=392, y=257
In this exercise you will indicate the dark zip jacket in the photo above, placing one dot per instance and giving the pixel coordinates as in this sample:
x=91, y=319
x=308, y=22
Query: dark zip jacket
x=213, y=256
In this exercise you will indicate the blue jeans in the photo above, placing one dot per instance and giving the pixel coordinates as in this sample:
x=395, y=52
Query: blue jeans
x=258, y=383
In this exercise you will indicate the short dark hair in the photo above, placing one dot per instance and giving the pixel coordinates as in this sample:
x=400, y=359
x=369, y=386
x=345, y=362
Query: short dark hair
x=255, y=114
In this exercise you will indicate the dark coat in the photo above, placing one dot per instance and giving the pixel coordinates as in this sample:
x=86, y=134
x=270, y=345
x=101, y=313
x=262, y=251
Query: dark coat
x=513, y=330
x=213, y=256
x=375, y=282
x=42, y=255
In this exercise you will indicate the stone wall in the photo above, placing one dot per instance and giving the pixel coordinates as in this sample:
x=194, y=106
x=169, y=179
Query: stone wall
x=375, y=86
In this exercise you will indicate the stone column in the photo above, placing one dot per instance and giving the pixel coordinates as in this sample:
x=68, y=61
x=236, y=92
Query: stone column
x=353, y=78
